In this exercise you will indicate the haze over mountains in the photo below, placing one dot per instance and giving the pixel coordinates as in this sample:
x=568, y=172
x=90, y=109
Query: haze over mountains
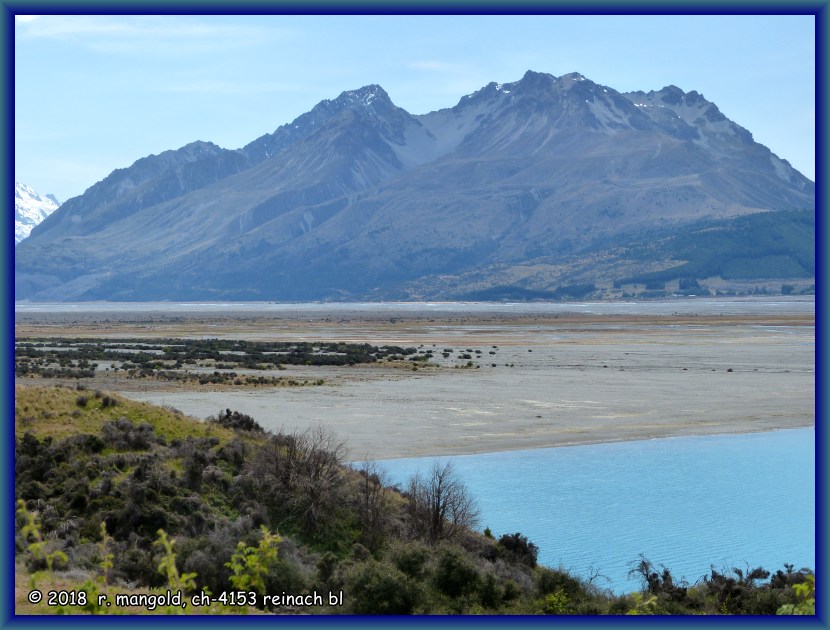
x=548, y=186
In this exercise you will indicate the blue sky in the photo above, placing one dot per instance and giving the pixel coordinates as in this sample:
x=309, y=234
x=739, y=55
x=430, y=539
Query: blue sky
x=96, y=93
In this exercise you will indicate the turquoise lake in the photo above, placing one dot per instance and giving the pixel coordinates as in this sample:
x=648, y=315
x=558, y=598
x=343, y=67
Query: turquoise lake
x=687, y=503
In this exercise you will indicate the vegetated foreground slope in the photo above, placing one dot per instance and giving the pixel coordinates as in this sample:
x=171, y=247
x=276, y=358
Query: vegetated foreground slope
x=129, y=497
x=539, y=184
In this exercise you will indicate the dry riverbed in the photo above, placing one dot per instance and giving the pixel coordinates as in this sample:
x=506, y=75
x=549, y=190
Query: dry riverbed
x=536, y=380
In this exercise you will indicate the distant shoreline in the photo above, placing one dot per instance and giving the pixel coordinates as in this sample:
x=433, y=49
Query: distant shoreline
x=617, y=440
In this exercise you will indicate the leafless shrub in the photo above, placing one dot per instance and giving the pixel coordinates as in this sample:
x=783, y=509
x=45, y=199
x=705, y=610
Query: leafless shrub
x=122, y=434
x=374, y=505
x=440, y=506
x=302, y=473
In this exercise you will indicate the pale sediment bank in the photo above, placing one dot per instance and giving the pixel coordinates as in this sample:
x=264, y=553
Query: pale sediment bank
x=542, y=380
x=475, y=412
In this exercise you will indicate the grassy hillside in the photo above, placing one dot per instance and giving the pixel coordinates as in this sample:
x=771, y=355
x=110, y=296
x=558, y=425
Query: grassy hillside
x=57, y=413
x=116, y=497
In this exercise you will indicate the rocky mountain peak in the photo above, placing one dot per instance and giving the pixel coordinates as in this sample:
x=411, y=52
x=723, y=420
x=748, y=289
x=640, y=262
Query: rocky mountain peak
x=573, y=77
x=670, y=96
x=366, y=97
x=22, y=191
x=689, y=116
x=370, y=100
x=536, y=78
x=30, y=209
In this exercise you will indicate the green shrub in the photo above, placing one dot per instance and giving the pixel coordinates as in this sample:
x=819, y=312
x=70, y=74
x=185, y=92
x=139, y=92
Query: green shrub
x=553, y=603
x=806, y=594
x=455, y=574
x=553, y=580
x=411, y=558
x=519, y=548
x=285, y=577
x=376, y=588
x=237, y=421
x=123, y=435
x=490, y=593
x=250, y=565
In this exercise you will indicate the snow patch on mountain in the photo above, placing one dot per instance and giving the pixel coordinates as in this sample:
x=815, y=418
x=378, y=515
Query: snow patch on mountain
x=30, y=209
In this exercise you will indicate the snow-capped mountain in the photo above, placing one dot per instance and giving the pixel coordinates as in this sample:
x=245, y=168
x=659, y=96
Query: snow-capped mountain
x=30, y=209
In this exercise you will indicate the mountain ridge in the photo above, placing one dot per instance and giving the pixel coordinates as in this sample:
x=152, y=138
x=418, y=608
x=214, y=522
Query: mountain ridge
x=359, y=199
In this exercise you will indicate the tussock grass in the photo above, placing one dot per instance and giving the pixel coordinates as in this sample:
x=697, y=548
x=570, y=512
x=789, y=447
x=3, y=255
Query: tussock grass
x=55, y=412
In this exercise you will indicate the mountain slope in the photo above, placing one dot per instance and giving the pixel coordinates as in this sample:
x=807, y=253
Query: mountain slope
x=360, y=199
x=30, y=209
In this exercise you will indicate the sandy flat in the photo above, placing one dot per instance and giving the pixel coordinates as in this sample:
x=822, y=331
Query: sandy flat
x=550, y=381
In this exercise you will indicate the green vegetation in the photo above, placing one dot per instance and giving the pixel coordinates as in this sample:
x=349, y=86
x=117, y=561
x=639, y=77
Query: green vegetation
x=121, y=497
x=199, y=361
x=237, y=353
x=805, y=592
x=756, y=246
x=250, y=565
x=515, y=293
x=211, y=362
x=184, y=360
x=55, y=413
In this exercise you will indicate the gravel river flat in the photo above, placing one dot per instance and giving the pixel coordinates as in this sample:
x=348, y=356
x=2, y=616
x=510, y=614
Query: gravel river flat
x=541, y=377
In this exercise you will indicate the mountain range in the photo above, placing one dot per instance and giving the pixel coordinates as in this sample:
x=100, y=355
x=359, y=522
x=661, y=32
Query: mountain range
x=30, y=209
x=545, y=187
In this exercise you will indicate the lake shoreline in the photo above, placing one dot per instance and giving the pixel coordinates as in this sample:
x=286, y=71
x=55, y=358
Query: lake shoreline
x=696, y=487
